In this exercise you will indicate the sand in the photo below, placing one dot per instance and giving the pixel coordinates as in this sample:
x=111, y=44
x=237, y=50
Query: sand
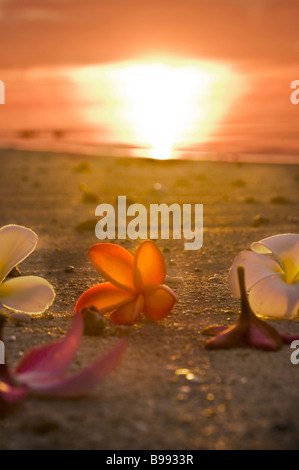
x=236, y=399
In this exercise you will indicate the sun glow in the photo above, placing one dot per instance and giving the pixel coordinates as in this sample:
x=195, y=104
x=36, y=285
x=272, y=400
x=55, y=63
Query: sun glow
x=159, y=106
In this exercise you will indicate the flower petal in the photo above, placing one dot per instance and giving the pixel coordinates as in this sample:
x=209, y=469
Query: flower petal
x=11, y=394
x=105, y=297
x=256, y=333
x=248, y=330
x=81, y=382
x=257, y=267
x=213, y=330
x=127, y=314
x=231, y=337
x=273, y=298
x=16, y=243
x=52, y=359
x=286, y=248
x=30, y=294
x=288, y=339
x=261, y=335
x=114, y=263
x=149, y=265
x=158, y=302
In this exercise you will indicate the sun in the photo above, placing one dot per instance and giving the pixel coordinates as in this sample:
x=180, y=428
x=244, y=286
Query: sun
x=161, y=106
x=172, y=105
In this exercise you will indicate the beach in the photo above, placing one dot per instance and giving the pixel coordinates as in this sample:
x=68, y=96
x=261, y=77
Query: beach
x=168, y=392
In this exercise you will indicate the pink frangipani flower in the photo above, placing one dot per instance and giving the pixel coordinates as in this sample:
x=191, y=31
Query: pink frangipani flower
x=249, y=330
x=42, y=370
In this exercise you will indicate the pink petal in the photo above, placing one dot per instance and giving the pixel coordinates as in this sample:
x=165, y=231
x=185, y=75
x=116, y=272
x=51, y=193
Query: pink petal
x=52, y=359
x=261, y=335
x=81, y=382
x=231, y=337
x=11, y=394
x=213, y=330
x=248, y=330
x=288, y=339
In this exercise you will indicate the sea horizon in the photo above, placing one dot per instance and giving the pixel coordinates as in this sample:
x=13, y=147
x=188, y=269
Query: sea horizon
x=119, y=150
x=161, y=108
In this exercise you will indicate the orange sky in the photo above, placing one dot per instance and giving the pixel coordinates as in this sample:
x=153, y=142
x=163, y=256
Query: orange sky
x=95, y=31
x=258, y=38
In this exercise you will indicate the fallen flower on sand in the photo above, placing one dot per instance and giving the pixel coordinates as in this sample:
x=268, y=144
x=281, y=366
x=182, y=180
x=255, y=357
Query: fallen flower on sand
x=29, y=294
x=272, y=276
x=135, y=287
x=249, y=330
x=41, y=372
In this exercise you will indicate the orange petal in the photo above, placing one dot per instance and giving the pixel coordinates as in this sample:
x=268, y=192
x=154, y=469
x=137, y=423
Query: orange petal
x=158, y=302
x=105, y=297
x=149, y=265
x=127, y=314
x=114, y=263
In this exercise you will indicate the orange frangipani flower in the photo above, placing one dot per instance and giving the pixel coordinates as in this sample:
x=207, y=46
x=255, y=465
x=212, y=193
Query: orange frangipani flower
x=135, y=284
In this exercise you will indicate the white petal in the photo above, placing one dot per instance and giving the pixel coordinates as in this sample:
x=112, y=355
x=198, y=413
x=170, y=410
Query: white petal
x=274, y=298
x=286, y=249
x=16, y=243
x=30, y=294
x=257, y=267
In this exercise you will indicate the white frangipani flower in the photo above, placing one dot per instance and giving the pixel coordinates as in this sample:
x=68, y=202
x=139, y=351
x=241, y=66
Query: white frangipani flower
x=271, y=276
x=30, y=294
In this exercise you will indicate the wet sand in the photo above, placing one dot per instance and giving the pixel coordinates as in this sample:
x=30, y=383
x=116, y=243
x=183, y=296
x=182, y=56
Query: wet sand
x=168, y=392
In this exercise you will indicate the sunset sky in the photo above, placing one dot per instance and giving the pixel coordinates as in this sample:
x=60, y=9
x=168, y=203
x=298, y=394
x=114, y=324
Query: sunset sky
x=61, y=59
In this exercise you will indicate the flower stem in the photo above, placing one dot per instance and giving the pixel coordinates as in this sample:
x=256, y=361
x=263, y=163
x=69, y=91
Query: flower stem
x=245, y=307
x=2, y=323
x=4, y=372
